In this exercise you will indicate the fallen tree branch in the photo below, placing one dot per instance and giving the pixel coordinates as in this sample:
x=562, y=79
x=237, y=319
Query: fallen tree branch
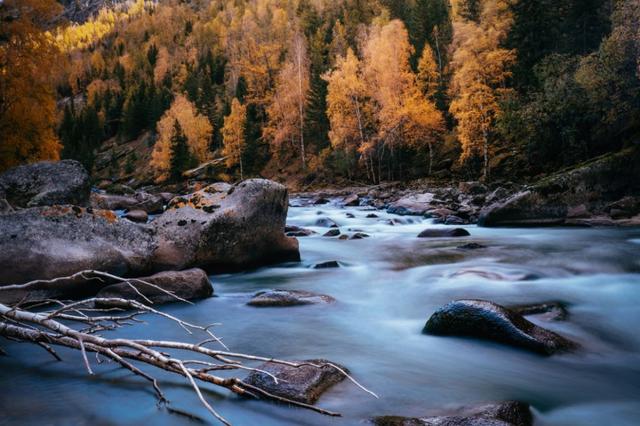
x=54, y=324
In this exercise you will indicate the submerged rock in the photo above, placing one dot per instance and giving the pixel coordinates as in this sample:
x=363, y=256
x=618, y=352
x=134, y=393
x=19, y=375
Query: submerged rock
x=487, y=320
x=189, y=284
x=334, y=232
x=50, y=242
x=352, y=200
x=359, y=236
x=245, y=230
x=443, y=233
x=326, y=222
x=282, y=298
x=471, y=246
x=507, y=413
x=305, y=383
x=297, y=231
x=45, y=184
x=327, y=264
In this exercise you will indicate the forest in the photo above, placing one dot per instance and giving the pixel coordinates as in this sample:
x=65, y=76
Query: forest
x=321, y=91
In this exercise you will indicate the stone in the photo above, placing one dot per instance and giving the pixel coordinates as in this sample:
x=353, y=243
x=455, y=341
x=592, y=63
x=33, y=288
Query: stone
x=471, y=246
x=297, y=231
x=416, y=204
x=507, y=413
x=54, y=241
x=45, y=184
x=149, y=203
x=327, y=264
x=333, y=232
x=137, y=216
x=372, y=216
x=305, y=383
x=245, y=230
x=352, y=200
x=359, y=236
x=454, y=220
x=472, y=188
x=282, y=298
x=443, y=233
x=189, y=284
x=326, y=222
x=487, y=320
x=350, y=215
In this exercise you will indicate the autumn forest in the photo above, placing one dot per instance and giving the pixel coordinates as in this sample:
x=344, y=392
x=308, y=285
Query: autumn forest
x=318, y=90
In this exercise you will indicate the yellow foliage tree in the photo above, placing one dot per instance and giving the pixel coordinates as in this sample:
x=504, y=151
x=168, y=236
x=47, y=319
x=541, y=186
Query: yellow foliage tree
x=285, y=126
x=404, y=115
x=27, y=98
x=233, y=134
x=196, y=128
x=428, y=75
x=480, y=69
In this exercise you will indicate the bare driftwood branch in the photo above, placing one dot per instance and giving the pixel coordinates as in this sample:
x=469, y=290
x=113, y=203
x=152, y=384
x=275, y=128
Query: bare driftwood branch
x=77, y=325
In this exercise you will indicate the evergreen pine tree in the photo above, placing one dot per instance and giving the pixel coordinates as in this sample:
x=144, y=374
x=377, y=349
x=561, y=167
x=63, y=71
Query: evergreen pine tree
x=180, y=156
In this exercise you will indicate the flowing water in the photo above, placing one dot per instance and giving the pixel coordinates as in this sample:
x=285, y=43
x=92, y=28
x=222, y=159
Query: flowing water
x=386, y=288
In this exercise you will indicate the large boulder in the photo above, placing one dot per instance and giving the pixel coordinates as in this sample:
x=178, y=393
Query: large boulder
x=589, y=188
x=487, y=320
x=443, y=233
x=282, y=298
x=304, y=383
x=49, y=242
x=45, y=184
x=238, y=228
x=189, y=284
x=507, y=413
x=415, y=204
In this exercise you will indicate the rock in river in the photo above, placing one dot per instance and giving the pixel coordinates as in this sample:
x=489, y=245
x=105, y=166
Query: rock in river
x=282, y=298
x=304, y=383
x=45, y=184
x=443, y=233
x=189, y=284
x=49, y=242
x=245, y=229
x=327, y=264
x=144, y=201
x=487, y=320
x=137, y=216
x=333, y=232
x=507, y=413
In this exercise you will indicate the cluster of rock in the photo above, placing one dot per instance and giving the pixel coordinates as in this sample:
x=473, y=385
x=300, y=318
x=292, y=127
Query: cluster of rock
x=50, y=226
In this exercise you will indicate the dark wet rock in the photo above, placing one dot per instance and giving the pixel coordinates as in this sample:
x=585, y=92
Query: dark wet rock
x=282, y=298
x=550, y=311
x=496, y=275
x=188, y=284
x=49, y=242
x=45, y=184
x=496, y=195
x=471, y=246
x=352, y=200
x=454, y=220
x=297, y=231
x=149, y=203
x=137, y=216
x=326, y=222
x=334, y=232
x=508, y=413
x=245, y=230
x=305, y=383
x=319, y=201
x=359, y=236
x=343, y=237
x=372, y=216
x=487, y=320
x=440, y=213
x=443, y=233
x=625, y=207
x=328, y=264
x=350, y=215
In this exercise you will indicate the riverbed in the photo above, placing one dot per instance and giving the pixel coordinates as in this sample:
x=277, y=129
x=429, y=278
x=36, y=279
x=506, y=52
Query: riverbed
x=386, y=288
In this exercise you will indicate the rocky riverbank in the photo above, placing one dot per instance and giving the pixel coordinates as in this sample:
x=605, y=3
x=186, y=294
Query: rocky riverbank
x=603, y=192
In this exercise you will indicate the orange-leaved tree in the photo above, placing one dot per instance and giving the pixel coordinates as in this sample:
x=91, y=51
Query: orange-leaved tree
x=196, y=128
x=27, y=96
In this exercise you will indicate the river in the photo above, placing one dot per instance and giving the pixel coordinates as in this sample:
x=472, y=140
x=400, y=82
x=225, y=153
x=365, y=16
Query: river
x=386, y=288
